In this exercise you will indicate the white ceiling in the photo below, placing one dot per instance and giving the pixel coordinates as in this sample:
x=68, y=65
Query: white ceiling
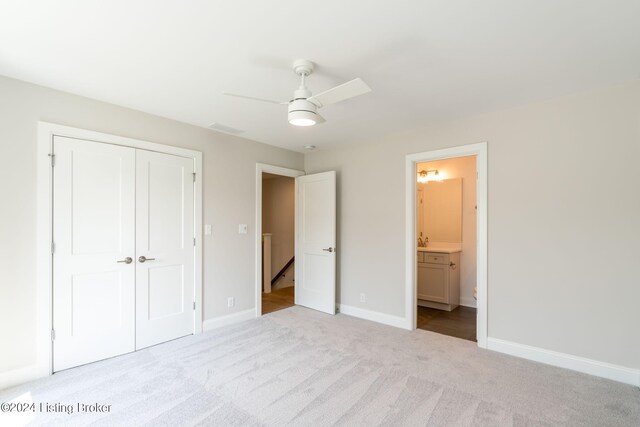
x=425, y=60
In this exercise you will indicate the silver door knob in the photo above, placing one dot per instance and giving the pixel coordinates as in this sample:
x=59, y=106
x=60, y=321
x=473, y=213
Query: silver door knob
x=143, y=259
x=328, y=249
x=127, y=260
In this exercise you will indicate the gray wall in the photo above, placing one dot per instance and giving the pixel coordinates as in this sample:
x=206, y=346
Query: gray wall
x=564, y=214
x=564, y=220
x=229, y=199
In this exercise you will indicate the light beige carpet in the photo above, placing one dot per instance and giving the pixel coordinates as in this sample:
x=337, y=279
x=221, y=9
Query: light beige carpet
x=301, y=367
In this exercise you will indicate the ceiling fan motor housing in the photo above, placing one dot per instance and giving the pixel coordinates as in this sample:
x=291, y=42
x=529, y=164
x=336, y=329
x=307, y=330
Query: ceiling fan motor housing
x=302, y=112
x=301, y=104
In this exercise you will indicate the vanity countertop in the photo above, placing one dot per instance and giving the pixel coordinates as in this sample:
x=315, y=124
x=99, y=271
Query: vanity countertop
x=440, y=249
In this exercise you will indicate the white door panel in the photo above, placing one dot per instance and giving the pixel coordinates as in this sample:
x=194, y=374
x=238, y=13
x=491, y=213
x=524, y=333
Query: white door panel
x=112, y=203
x=93, y=210
x=315, y=285
x=164, y=235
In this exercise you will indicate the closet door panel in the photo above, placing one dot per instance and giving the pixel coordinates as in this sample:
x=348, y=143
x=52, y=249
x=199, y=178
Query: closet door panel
x=164, y=248
x=93, y=231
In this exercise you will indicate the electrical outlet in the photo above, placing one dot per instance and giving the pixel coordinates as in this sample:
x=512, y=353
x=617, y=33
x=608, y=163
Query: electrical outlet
x=207, y=229
x=363, y=298
x=231, y=302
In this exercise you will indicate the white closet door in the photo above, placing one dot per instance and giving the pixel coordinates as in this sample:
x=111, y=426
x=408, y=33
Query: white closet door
x=164, y=237
x=93, y=291
x=315, y=283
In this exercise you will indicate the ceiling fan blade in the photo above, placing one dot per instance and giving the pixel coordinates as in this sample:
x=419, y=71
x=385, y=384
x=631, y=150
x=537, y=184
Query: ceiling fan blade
x=346, y=90
x=255, y=99
x=320, y=119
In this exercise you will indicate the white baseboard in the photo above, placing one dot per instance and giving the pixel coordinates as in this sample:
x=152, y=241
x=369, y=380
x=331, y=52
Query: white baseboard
x=374, y=316
x=230, y=319
x=576, y=363
x=469, y=302
x=20, y=376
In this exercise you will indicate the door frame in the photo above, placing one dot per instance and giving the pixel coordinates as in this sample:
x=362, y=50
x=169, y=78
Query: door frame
x=480, y=151
x=274, y=170
x=44, y=257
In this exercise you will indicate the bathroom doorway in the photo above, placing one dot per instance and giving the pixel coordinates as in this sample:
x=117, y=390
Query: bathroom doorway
x=446, y=242
x=275, y=246
x=446, y=246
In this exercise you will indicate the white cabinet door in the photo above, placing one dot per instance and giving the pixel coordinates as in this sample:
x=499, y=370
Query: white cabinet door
x=315, y=274
x=164, y=236
x=433, y=282
x=93, y=230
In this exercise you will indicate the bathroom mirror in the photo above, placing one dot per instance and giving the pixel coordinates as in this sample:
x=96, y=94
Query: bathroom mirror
x=439, y=206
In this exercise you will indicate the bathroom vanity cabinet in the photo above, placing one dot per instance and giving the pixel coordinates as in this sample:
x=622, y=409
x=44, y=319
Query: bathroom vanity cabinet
x=439, y=279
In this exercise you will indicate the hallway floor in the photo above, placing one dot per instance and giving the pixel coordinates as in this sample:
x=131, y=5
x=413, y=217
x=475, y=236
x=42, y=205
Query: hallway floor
x=459, y=323
x=277, y=300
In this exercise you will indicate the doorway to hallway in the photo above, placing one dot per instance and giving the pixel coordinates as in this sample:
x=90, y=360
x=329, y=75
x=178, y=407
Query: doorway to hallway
x=278, y=242
x=314, y=209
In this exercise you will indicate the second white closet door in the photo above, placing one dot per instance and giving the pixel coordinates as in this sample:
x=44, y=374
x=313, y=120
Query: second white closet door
x=164, y=248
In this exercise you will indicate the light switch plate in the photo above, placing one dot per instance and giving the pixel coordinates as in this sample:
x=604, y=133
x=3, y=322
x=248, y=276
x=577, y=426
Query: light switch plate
x=207, y=229
x=242, y=229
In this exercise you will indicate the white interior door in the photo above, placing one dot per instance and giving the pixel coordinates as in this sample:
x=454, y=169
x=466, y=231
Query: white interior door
x=164, y=248
x=315, y=283
x=93, y=231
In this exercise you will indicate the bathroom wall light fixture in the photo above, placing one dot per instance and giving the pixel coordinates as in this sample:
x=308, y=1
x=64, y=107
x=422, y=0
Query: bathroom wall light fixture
x=429, y=175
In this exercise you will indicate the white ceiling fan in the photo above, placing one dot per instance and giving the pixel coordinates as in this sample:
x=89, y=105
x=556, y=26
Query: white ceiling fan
x=303, y=107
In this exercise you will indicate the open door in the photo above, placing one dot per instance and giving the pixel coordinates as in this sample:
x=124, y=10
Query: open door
x=315, y=276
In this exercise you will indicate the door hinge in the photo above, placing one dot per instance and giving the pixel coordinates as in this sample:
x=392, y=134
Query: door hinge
x=53, y=159
x=194, y=241
x=194, y=177
x=194, y=305
x=53, y=247
x=53, y=334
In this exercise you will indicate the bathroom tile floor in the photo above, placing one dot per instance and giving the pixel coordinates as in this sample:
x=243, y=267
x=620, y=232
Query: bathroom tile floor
x=459, y=323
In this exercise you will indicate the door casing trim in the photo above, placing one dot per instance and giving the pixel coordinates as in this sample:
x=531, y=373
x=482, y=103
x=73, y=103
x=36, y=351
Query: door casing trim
x=411, y=160
x=44, y=227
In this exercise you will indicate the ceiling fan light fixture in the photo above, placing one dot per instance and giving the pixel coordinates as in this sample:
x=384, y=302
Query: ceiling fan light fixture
x=302, y=118
x=303, y=108
x=302, y=113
